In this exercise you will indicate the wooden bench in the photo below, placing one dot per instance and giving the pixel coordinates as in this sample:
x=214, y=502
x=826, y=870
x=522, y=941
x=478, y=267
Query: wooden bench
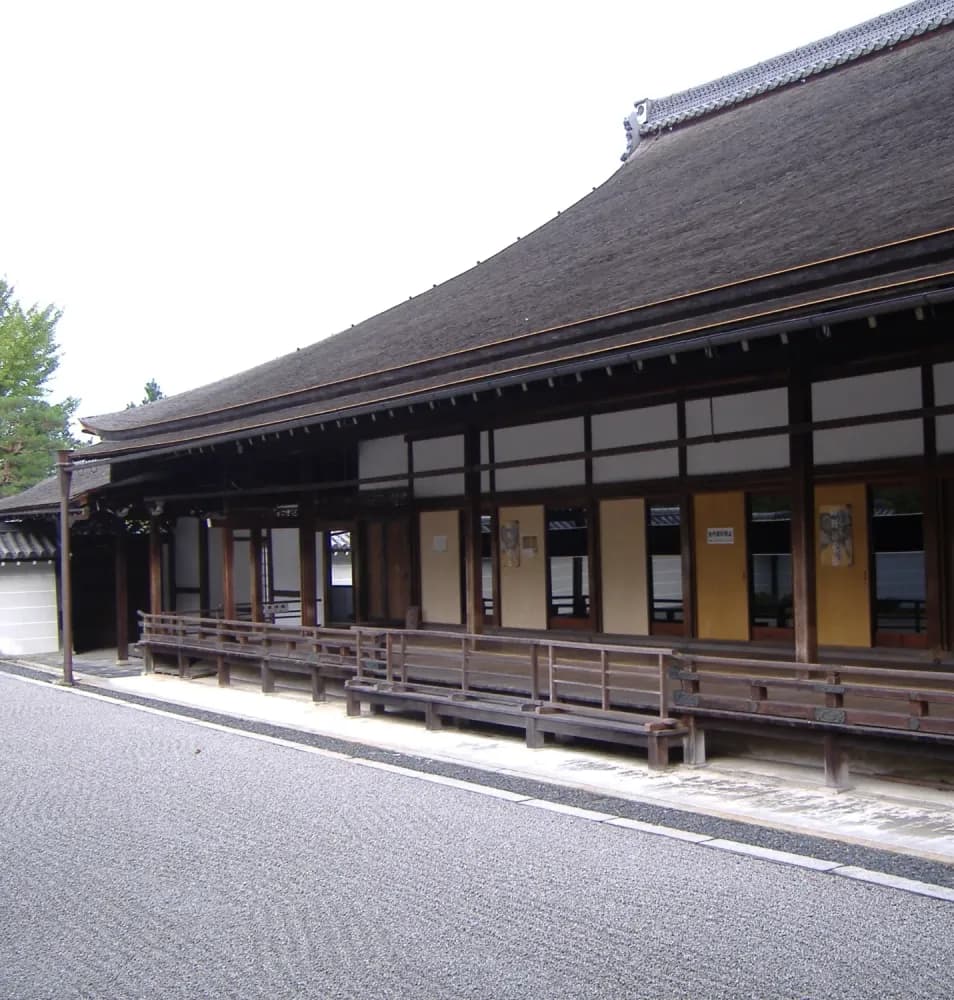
x=535, y=719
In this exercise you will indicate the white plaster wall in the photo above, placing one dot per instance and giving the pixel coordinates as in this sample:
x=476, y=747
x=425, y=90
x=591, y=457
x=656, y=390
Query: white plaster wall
x=484, y=459
x=652, y=423
x=552, y=437
x=710, y=457
x=662, y=464
x=741, y=411
x=865, y=395
x=286, y=572
x=216, y=594
x=383, y=457
x=241, y=575
x=439, y=453
x=187, y=552
x=944, y=396
x=860, y=444
x=28, y=608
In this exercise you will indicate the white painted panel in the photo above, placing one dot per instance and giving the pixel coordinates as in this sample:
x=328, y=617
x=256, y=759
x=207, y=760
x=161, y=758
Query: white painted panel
x=944, y=383
x=383, y=457
x=242, y=591
x=439, y=453
x=740, y=411
x=552, y=437
x=28, y=609
x=216, y=596
x=644, y=465
x=320, y=577
x=861, y=444
x=698, y=417
x=944, y=396
x=187, y=552
x=862, y=395
x=737, y=456
x=484, y=459
x=945, y=434
x=187, y=602
x=286, y=571
x=534, y=477
x=746, y=411
x=652, y=423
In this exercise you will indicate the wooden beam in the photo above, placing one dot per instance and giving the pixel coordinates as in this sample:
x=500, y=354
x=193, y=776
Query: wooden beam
x=121, y=575
x=802, y=458
x=932, y=525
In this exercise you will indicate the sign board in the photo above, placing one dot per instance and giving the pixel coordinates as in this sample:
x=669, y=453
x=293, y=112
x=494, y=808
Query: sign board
x=720, y=536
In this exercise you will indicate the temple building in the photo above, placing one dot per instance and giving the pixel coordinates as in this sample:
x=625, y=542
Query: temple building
x=709, y=408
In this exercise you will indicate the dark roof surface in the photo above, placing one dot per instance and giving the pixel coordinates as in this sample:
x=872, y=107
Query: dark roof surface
x=857, y=158
x=17, y=545
x=796, y=66
x=46, y=494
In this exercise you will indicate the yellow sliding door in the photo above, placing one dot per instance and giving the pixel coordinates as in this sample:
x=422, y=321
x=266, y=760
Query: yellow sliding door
x=841, y=565
x=722, y=587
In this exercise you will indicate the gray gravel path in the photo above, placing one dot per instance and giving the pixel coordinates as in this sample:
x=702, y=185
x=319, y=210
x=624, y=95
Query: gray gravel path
x=146, y=857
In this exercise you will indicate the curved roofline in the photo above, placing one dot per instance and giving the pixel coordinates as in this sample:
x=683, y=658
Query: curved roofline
x=170, y=423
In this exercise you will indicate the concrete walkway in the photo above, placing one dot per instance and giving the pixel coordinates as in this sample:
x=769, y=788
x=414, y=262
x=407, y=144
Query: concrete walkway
x=885, y=815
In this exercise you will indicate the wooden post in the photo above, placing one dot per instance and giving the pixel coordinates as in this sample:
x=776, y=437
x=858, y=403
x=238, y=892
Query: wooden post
x=473, y=541
x=228, y=572
x=255, y=572
x=836, y=763
x=801, y=456
x=155, y=567
x=308, y=569
x=686, y=548
x=64, y=471
x=933, y=525
x=121, y=574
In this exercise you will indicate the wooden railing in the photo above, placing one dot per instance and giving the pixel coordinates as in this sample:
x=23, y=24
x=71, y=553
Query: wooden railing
x=600, y=677
x=540, y=670
x=843, y=696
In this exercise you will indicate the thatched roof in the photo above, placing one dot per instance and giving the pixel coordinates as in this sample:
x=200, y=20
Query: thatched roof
x=837, y=190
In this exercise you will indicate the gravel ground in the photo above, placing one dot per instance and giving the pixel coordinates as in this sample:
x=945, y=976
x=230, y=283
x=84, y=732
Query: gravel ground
x=145, y=857
x=902, y=865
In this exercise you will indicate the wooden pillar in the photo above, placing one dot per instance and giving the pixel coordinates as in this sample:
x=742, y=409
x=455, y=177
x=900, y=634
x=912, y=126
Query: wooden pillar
x=473, y=542
x=688, y=565
x=228, y=572
x=802, y=458
x=933, y=525
x=308, y=571
x=255, y=572
x=155, y=567
x=64, y=472
x=122, y=595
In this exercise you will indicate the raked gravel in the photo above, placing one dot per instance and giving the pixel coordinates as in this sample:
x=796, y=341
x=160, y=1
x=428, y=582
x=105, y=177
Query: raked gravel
x=144, y=857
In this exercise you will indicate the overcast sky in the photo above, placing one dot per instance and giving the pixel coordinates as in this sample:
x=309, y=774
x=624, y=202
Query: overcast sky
x=201, y=186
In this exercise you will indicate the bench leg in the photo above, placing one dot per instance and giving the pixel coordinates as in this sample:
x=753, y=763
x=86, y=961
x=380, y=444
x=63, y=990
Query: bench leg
x=432, y=719
x=693, y=743
x=317, y=686
x=352, y=704
x=534, y=735
x=149, y=664
x=180, y=663
x=658, y=751
x=377, y=709
x=223, y=671
x=836, y=763
x=268, y=679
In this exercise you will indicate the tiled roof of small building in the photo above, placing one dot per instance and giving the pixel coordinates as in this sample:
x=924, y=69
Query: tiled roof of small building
x=17, y=545
x=654, y=115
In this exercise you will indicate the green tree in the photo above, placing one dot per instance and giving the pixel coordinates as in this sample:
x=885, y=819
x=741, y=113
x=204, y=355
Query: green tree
x=31, y=427
x=151, y=392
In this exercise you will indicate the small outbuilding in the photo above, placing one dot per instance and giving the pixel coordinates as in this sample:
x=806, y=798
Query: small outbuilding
x=29, y=622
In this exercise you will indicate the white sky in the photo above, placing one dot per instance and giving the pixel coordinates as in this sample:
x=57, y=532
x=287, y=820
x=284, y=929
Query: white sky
x=202, y=185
